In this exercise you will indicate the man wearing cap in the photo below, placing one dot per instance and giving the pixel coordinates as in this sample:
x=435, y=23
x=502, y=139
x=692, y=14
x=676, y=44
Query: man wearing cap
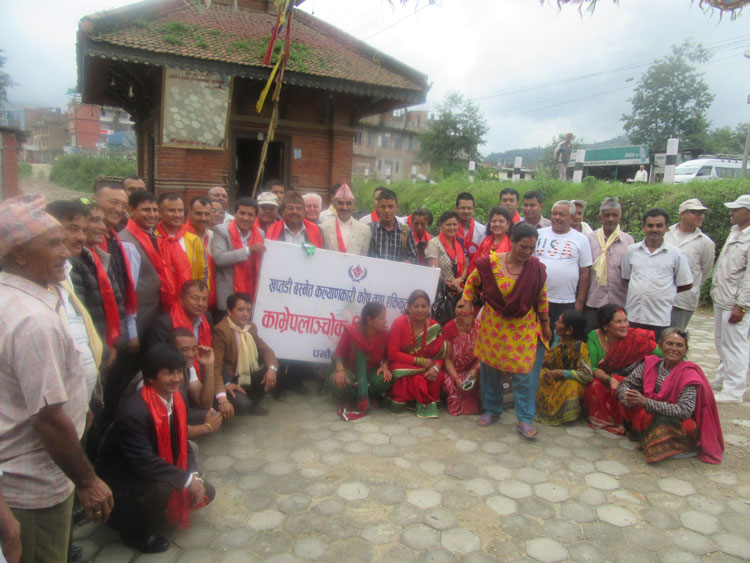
x=730, y=291
x=700, y=250
x=578, y=223
x=344, y=233
x=608, y=246
x=43, y=399
x=268, y=211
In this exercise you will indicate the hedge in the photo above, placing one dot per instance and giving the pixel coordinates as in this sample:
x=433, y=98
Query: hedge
x=78, y=172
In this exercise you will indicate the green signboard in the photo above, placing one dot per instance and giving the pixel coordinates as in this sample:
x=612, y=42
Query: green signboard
x=615, y=156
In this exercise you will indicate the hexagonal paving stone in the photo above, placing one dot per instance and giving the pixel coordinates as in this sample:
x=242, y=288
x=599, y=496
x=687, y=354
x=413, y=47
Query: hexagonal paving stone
x=460, y=540
x=514, y=489
x=724, y=478
x=380, y=533
x=705, y=504
x=587, y=553
x=676, y=487
x=422, y=432
x=319, y=489
x=439, y=555
x=462, y=471
x=577, y=512
x=394, y=429
x=616, y=515
x=546, y=550
x=405, y=514
x=557, y=451
x=424, y=498
x=389, y=494
x=419, y=537
x=498, y=472
x=294, y=503
x=580, y=466
x=480, y=486
x=440, y=519
x=733, y=545
x=612, y=467
x=562, y=531
x=330, y=506
x=353, y=491
x=602, y=481
x=375, y=438
x=494, y=447
x=265, y=520
x=531, y=475
x=465, y=446
x=700, y=522
x=404, y=440
x=502, y=505
x=432, y=467
x=218, y=463
x=402, y=463
x=693, y=542
x=352, y=549
x=311, y=547
x=552, y=492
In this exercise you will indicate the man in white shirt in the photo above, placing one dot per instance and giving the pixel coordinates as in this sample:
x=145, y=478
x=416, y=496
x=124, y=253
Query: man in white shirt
x=657, y=272
x=567, y=255
x=700, y=250
x=578, y=223
x=470, y=233
x=343, y=232
x=730, y=292
x=641, y=175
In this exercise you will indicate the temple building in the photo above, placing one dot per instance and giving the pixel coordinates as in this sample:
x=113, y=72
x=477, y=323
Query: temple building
x=190, y=77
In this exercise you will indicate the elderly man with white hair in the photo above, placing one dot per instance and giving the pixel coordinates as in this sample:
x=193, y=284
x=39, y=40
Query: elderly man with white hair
x=313, y=205
x=220, y=194
x=608, y=247
x=566, y=253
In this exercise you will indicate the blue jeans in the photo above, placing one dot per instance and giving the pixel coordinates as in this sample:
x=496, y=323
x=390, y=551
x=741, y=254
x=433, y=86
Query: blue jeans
x=524, y=388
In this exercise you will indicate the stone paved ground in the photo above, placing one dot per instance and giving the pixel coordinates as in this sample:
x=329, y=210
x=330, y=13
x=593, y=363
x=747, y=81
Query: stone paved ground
x=300, y=484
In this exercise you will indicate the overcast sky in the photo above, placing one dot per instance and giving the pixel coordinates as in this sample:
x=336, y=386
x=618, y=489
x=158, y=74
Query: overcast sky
x=534, y=70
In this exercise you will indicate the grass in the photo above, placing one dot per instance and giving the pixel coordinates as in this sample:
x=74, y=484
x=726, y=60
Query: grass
x=78, y=172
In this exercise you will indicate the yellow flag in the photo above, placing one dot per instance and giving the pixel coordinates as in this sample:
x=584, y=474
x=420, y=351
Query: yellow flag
x=267, y=87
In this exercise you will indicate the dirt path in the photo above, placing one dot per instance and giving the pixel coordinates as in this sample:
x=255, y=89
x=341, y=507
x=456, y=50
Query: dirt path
x=36, y=184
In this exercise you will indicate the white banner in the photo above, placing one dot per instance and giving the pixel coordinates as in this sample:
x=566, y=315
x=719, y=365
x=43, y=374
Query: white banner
x=304, y=302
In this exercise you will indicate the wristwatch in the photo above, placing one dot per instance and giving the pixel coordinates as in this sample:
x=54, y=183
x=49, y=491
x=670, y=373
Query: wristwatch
x=274, y=368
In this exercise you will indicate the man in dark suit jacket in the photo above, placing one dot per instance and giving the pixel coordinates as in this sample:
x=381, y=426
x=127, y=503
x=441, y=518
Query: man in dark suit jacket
x=144, y=467
x=231, y=395
x=190, y=311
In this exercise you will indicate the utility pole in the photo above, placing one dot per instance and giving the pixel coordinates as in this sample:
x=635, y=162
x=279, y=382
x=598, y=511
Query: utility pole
x=743, y=172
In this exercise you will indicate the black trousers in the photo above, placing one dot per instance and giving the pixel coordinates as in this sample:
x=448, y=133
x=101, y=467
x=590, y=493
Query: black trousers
x=244, y=404
x=143, y=510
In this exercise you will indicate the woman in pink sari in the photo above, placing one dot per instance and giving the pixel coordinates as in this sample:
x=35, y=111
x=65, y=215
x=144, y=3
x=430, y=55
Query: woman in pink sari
x=461, y=367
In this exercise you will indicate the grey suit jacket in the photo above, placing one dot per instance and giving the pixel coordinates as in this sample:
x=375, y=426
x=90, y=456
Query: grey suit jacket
x=225, y=257
x=147, y=287
x=359, y=243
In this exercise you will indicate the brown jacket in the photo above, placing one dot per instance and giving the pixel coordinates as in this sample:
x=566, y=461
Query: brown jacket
x=225, y=350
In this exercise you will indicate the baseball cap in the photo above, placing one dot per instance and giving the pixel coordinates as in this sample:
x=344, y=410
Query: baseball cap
x=692, y=205
x=268, y=198
x=742, y=201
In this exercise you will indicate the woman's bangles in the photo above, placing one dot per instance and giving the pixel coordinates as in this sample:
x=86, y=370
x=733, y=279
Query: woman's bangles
x=419, y=361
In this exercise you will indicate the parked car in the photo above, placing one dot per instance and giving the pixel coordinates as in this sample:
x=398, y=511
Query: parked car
x=709, y=168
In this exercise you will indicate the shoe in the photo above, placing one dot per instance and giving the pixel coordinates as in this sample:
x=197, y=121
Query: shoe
x=487, y=419
x=427, y=411
x=394, y=407
x=722, y=397
x=716, y=385
x=153, y=543
x=685, y=455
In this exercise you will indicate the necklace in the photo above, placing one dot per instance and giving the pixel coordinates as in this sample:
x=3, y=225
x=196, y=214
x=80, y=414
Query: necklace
x=511, y=272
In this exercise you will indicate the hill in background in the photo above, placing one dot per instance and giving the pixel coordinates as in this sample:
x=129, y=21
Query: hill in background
x=535, y=154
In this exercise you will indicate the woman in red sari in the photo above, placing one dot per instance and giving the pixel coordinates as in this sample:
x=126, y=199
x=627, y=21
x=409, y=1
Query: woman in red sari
x=461, y=367
x=415, y=355
x=496, y=239
x=669, y=406
x=615, y=349
x=360, y=368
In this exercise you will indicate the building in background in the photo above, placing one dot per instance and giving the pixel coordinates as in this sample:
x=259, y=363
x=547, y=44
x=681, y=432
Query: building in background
x=47, y=132
x=387, y=144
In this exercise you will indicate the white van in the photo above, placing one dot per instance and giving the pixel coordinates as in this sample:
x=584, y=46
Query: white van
x=708, y=167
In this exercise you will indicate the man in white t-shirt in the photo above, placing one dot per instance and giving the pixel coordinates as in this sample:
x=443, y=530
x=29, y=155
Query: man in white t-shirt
x=567, y=255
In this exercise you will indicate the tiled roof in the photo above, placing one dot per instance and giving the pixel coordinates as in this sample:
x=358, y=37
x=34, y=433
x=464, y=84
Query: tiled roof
x=240, y=36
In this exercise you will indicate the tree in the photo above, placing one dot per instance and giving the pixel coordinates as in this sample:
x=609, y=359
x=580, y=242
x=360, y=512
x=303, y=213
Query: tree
x=5, y=81
x=453, y=138
x=726, y=140
x=671, y=100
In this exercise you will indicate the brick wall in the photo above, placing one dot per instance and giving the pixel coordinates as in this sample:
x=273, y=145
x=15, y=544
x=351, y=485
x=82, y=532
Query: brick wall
x=9, y=169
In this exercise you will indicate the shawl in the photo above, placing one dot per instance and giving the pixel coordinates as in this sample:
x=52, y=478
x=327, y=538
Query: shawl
x=312, y=230
x=178, y=508
x=354, y=340
x=245, y=272
x=247, y=353
x=624, y=352
x=167, y=291
x=526, y=290
x=404, y=346
x=486, y=247
x=210, y=266
x=175, y=258
x=706, y=415
x=467, y=236
x=600, y=264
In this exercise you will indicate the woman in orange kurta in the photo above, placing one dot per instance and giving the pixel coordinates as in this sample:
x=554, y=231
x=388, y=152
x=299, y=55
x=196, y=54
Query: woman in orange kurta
x=514, y=324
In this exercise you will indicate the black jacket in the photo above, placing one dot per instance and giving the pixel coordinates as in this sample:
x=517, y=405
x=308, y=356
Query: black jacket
x=158, y=332
x=130, y=450
x=86, y=286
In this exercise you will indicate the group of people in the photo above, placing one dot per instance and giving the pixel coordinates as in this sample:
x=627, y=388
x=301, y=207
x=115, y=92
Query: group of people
x=126, y=332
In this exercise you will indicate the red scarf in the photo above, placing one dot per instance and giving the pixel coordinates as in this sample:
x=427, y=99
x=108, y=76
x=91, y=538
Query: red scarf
x=167, y=291
x=180, y=319
x=175, y=258
x=638, y=344
x=487, y=246
x=312, y=230
x=211, y=281
x=516, y=218
x=131, y=301
x=706, y=415
x=374, y=217
x=245, y=272
x=340, y=238
x=468, y=238
x=178, y=508
x=111, y=315
x=455, y=253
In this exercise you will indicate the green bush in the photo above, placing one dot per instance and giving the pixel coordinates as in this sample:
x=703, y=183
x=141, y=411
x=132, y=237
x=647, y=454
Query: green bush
x=635, y=199
x=24, y=169
x=78, y=172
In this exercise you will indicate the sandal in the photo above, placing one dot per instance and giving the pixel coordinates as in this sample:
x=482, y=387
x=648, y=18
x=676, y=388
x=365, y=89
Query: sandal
x=487, y=419
x=527, y=430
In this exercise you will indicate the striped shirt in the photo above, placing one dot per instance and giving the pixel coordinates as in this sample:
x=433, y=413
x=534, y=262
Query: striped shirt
x=39, y=366
x=682, y=410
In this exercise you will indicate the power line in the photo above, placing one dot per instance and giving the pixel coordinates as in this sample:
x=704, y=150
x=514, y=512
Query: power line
x=414, y=13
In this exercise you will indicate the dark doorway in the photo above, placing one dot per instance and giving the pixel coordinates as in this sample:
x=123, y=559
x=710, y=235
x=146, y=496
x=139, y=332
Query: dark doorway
x=248, y=160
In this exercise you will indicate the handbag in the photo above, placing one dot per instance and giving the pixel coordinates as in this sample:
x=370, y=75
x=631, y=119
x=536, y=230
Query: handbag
x=444, y=307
